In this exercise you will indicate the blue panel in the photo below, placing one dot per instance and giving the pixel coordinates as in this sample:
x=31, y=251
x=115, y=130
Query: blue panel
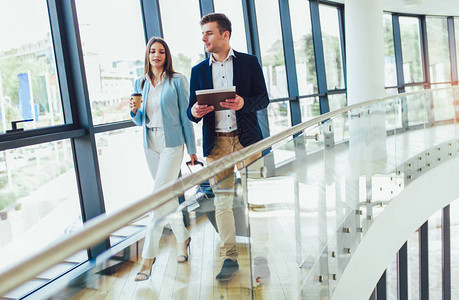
x=251, y=32
x=206, y=7
x=151, y=19
x=290, y=67
x=402, y=272
x=424, y=261
x=25, y=104
x=319, y=56
x=452, y=50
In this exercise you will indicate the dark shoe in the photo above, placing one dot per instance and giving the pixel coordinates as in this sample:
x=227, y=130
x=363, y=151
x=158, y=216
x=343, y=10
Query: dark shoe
x=142, y=276
x=229, y=269
x=182, y=257
x=261, y=269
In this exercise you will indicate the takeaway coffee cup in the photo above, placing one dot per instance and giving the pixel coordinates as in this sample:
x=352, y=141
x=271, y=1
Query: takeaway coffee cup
x=137, y=99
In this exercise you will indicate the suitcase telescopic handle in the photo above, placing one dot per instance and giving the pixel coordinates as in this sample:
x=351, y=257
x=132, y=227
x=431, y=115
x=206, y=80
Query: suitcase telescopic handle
x=196, y=162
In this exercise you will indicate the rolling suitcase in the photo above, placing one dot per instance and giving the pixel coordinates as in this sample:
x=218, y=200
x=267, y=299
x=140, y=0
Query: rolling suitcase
x=204, y=197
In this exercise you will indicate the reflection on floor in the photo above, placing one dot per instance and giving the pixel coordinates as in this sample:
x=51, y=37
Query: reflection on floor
x=170, y=280
x=196, y=278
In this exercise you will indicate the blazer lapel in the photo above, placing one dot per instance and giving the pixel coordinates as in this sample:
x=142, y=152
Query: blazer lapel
x=236, y=70
x=207, y=82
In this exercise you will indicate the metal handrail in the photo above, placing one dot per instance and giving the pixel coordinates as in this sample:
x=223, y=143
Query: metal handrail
x=99, y=228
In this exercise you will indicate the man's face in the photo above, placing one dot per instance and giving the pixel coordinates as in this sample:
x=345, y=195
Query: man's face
x=214, y=42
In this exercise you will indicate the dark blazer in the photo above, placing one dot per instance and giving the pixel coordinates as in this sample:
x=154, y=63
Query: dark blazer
x=250, y=85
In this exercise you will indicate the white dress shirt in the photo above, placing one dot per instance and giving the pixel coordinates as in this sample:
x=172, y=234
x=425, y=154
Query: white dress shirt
x=222, y=77
x=154, y=106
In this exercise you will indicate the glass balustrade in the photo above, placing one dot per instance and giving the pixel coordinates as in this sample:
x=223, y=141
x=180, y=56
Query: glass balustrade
x=325, y=192
x=300, y=211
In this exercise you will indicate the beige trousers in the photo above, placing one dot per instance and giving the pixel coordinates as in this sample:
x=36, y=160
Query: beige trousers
x=224, y=202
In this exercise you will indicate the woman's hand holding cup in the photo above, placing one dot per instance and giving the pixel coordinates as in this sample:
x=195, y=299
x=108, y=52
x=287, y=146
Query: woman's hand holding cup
x=134, y=102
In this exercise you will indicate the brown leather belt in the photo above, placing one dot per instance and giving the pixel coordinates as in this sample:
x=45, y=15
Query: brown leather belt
x=227, y=134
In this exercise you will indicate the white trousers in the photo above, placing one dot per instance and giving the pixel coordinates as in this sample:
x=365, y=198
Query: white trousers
x=164, y=164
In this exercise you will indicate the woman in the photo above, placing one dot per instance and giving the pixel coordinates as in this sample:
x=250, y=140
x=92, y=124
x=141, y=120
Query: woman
x=166, y=129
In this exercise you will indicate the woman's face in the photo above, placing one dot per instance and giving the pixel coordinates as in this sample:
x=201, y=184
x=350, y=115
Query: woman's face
x=157, y=55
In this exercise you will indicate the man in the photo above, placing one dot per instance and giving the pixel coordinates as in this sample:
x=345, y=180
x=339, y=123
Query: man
x=227, y=131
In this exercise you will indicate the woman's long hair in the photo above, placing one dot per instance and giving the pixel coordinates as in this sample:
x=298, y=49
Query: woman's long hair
x=168, y=69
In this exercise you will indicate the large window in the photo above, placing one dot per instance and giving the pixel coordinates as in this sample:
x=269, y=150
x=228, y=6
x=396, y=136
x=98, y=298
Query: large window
x=413, y=266
x=279, y=116
x=416, y=105
x=272, y=50
x=437, y=38
x=182, y=33
x=38, y=199
x=332, y=47
x=233, y=10
x=443, y=103
x=337, y=101
x=435, y=255
x=390, y=74
x=113, y=50
x=456, y=34
x=123, y=168
x=29, y=88
x=454, y=213
x=411, y=49
x=185, y=41
x=303, y=47
x=310, y=108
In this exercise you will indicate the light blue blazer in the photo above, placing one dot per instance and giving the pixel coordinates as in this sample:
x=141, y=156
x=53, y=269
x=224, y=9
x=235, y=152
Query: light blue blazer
x=178, y=129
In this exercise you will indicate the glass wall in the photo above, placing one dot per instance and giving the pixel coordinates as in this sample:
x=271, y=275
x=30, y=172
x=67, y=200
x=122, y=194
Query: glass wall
x=332, y=47
x=303, y=47
x=123, y=169
x=413, y=266
x=416, y=106
x=391, y=280
x=435, y=255
x=437, y=38
x=272, y=50
x=336, y=101
x=279, y=116
x=390, y=73
x=411, y=49
x=38, y=199
x=456, y=33
x=187, y=48
x=310, y=108
x=233, y=10
x=29, y=89
x=443, y=103
x=113, y=58
x=340, y=124
x=454, y=213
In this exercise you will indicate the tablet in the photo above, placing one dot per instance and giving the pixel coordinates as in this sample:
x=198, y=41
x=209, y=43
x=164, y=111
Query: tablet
x=215, y=96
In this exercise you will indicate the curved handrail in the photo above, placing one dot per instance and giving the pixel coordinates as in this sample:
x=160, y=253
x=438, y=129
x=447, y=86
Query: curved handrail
x=99, y=228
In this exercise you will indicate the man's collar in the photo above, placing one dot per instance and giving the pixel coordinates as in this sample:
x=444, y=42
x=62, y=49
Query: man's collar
x=230, y=53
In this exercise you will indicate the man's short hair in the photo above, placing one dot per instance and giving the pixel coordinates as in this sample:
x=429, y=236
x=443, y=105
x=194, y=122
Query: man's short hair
x=224, y=24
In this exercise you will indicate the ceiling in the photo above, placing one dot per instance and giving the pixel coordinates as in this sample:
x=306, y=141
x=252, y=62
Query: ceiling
x=423, y=7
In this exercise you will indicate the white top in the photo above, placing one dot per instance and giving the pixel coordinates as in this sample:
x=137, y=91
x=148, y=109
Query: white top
x=222, y=77
x=154, y=106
